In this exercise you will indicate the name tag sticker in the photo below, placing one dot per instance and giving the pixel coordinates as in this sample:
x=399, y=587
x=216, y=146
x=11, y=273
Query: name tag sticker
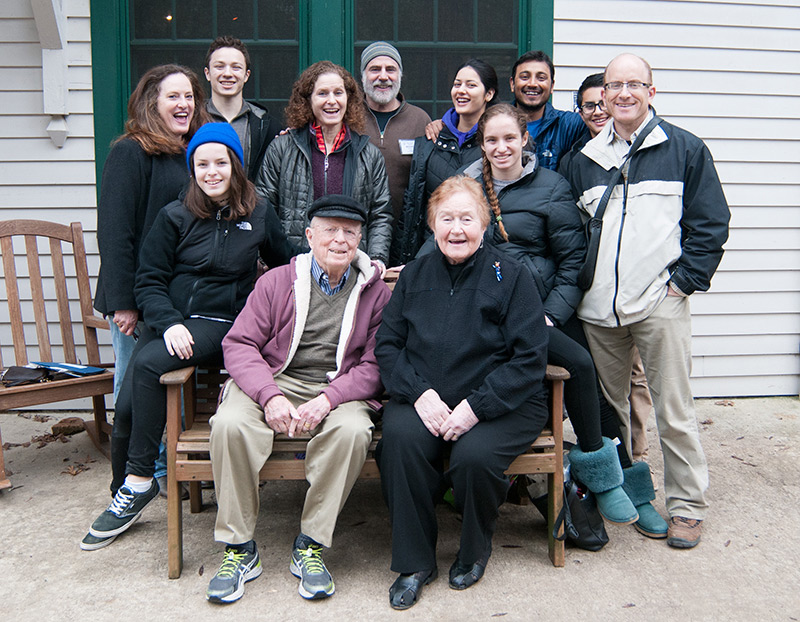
x=406, y=146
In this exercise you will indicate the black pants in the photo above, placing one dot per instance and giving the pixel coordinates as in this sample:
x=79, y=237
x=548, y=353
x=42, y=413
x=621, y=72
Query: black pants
x=591, y=415
x=410, y=459
x=140, y=410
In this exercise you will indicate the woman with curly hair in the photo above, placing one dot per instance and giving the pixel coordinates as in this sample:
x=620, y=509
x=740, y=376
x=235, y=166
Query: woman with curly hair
x=324, y=153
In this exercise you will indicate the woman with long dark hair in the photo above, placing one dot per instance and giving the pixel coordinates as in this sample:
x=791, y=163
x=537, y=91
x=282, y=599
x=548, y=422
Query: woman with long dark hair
x=144, y=171
x=197, y=266
x=474, y=89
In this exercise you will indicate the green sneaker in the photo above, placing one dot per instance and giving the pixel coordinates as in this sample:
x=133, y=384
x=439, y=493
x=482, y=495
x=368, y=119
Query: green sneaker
x=125, y=509
x=237, y=568
x=307, y=565
x=92, y=543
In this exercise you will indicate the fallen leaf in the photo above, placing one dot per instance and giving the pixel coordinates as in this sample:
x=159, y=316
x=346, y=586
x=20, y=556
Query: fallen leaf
x=201, y=570
x=727, y=543
x=75, y=469
x=707, y=422
x=724, y=403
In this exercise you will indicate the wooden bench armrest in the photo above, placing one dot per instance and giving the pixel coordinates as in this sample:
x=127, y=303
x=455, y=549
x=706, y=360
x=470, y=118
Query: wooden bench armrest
x=177, y=376
x=556, y=373
x=95, y=321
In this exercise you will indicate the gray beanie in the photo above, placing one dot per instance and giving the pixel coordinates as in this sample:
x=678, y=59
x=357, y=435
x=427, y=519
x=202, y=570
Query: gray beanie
x=380, y=48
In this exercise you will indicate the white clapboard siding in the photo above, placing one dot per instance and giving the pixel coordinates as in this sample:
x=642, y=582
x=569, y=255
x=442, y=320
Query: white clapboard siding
x=730, y=73
x=39, y=180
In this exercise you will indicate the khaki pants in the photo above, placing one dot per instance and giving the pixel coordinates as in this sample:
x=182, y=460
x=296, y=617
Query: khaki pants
x=641, y=407
x=241, y=442
x=664, y=342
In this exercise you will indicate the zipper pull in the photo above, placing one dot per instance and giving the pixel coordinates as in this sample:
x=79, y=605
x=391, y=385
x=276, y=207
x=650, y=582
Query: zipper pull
x=219, y=215
x=326, y=162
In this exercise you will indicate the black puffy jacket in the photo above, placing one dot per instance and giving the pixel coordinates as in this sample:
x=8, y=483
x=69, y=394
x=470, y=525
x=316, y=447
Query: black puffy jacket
x=544, y=233
x=432, y=163
x=191, y=266
x=286, y=181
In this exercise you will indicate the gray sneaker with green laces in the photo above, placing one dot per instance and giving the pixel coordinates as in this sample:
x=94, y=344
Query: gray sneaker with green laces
x=315, y=580
x=237, y=568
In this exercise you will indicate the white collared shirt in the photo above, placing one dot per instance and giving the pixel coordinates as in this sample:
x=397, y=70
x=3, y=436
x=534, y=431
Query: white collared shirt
x=619, y=145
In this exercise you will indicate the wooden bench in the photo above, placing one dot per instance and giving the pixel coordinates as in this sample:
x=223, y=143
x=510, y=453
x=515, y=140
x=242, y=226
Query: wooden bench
x=48, y=274
x=188, y=452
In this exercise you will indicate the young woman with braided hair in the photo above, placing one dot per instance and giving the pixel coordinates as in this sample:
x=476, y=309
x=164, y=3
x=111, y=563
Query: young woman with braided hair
x=536, y=221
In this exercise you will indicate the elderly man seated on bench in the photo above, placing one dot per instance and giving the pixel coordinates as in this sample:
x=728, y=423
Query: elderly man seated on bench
x=301, y=360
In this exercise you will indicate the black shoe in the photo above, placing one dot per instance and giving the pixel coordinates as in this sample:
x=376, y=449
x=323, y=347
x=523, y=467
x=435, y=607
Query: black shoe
x=407, y=588
x=463, y=576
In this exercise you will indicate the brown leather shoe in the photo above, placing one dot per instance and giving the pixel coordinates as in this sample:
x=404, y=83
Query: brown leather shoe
x=684, y=533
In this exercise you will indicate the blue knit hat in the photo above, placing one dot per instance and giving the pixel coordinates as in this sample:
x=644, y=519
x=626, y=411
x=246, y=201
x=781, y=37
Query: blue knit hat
x=215, y=133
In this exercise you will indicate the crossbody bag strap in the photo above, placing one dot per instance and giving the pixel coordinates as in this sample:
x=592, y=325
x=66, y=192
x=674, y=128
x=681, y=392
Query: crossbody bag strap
x=612, y=182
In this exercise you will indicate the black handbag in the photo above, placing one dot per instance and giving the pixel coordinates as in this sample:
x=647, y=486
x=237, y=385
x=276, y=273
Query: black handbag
x=594, y=226
x=16, y=376
x=583, y=524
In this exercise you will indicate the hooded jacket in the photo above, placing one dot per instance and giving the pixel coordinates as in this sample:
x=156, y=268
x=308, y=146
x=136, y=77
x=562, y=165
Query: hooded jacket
x=265, y=336
x=666, y=220
x=544, y=233
x=286, y=181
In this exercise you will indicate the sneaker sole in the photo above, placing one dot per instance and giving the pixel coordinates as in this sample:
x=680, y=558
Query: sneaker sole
x=118, y=530
x=97, y=545
x=650, y=534
x=323, y=593
x=251, y=574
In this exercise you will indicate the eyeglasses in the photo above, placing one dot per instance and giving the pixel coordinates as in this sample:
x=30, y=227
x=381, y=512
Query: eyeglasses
x=588, y=107
x=615, y=87
x=332, y=232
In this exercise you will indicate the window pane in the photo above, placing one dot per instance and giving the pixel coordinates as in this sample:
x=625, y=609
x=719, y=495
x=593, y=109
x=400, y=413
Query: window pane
x=149, y=19
x=498, y=21
x=374, y=20
x=455, y=20
x=235, y=18
x=415, y=20
x=430, y=59
x=277, y=19
x=193, y=20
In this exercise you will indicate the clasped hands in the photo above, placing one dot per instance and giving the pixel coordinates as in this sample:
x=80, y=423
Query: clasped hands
x=284, y=418
x=440, y=420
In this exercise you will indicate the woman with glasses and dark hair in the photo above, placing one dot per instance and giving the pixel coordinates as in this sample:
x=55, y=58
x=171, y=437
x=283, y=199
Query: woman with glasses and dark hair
x=325, y=153
x=474, y=89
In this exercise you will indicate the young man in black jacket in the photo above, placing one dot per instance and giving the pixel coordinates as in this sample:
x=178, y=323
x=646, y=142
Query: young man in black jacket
x=227, y=70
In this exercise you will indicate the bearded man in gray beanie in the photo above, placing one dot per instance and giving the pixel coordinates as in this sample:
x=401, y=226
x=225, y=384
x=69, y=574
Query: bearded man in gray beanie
x=393, y=123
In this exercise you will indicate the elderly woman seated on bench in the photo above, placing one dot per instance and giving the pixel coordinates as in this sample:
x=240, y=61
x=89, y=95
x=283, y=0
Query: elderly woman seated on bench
x=462, y=351
x=301, y=360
